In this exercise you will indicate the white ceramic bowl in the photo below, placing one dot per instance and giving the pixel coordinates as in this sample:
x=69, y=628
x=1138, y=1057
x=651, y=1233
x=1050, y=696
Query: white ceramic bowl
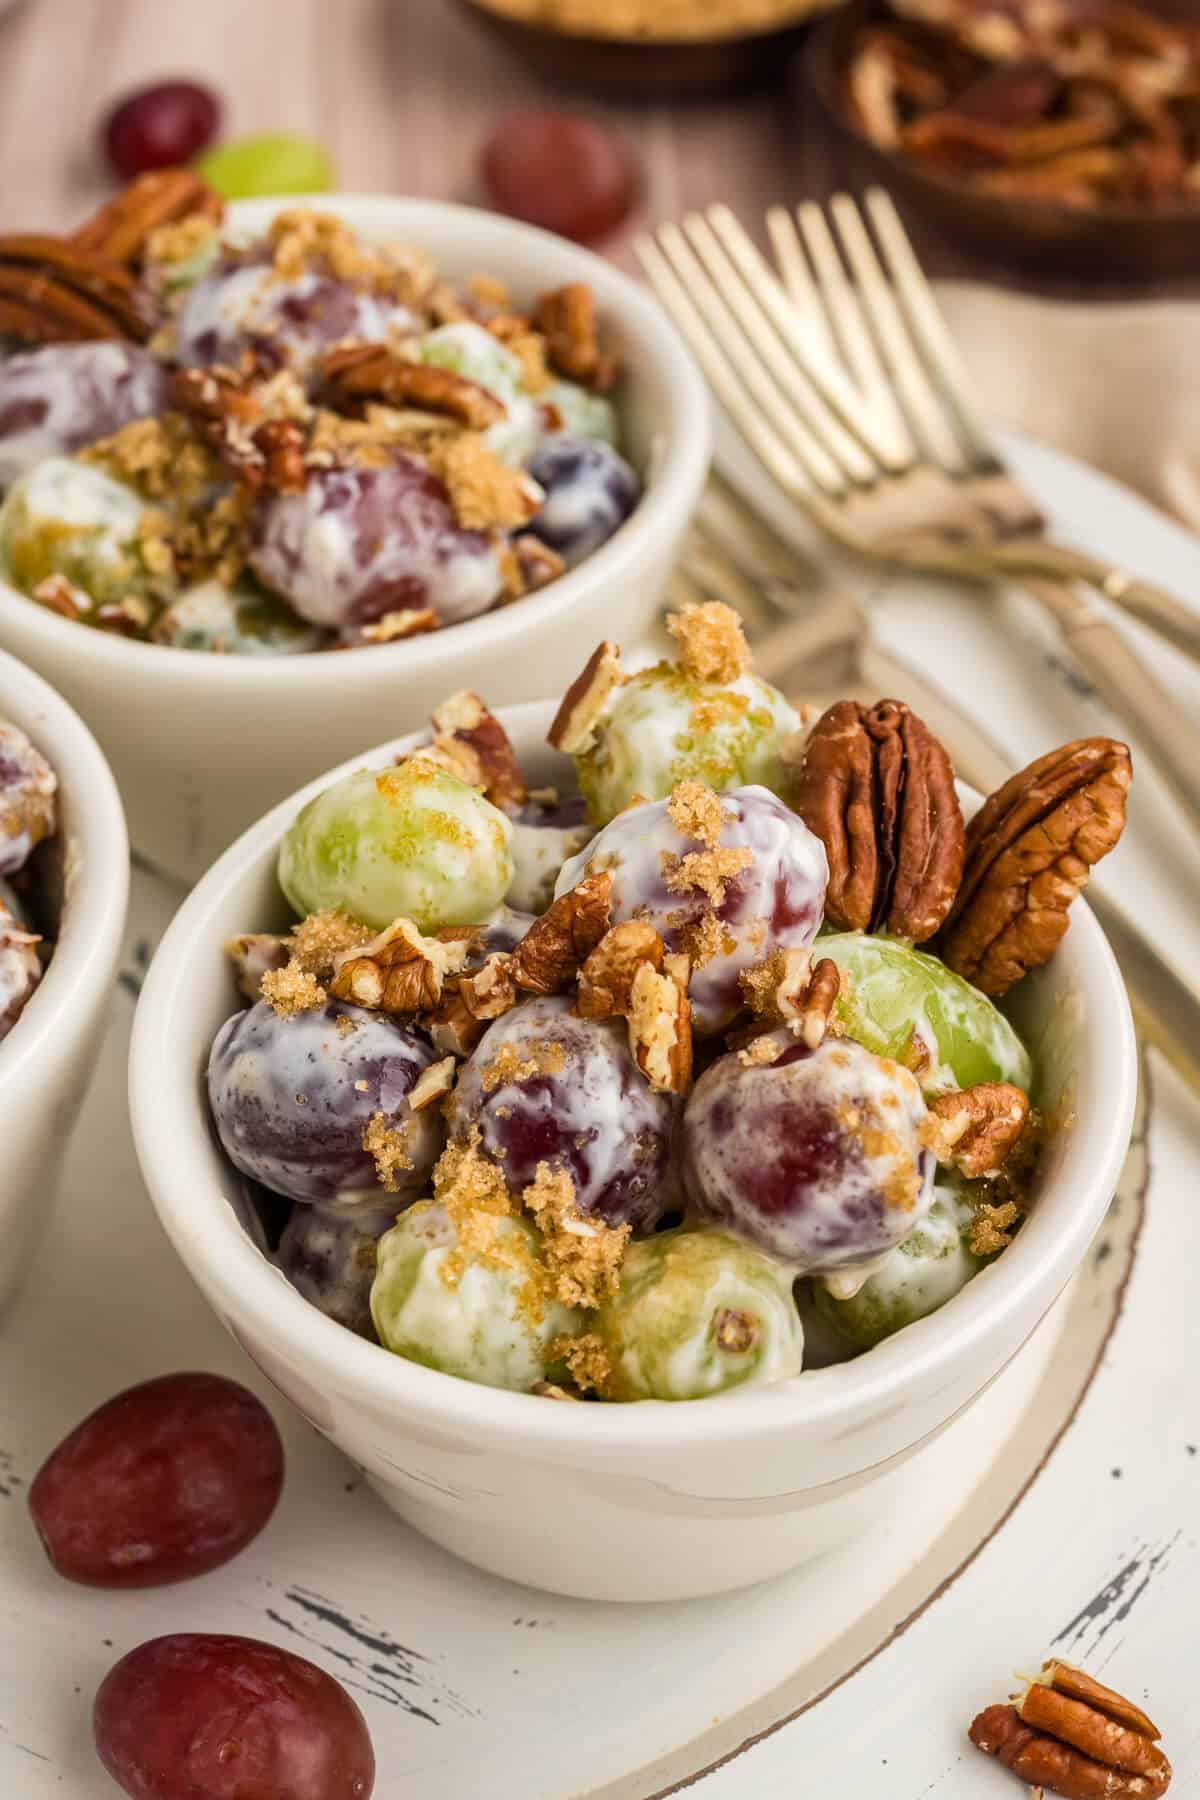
x=48, y=1056
x=201, y=745
x=636, y=1502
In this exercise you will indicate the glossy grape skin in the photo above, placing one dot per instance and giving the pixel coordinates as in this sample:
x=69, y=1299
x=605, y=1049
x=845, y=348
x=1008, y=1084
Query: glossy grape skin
x=62, y=396
x=775, y=903
x=585, y=1108
x=411, y=840
x=560, y=171
x=28, y=802
x=158, y=126
x=269, y=163
x=330, y=1259
x=356, y=543
x=289, y=1112
x=662, y=726
x=464, y=1312
x=203, y=1716
x=817, y=1158
x=896, y=994
x=932, y=1265
x=590, y=492
x=241, y=305
x=698, y=1312
x=163, y=1482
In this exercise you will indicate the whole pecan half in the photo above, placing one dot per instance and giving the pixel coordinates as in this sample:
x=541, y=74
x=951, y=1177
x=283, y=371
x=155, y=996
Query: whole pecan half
x=1030, y=850
x=373, y=372
x=878, y=789
x=973, y=1129
x=71, y=290
x=471, y=739
x=120, y=230
x=1069, y=1735
x=566, y=317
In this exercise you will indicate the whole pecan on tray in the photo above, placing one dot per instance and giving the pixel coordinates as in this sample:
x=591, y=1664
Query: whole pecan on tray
x=1069, y=1735
x=1030, y=850
x=877, y=788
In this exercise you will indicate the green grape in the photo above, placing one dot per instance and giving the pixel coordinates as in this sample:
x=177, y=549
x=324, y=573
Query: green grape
x=481, y=1313
x=467, y=349
x=698, y=1312
x=934, y=1263
x=584, y=415
x=69, y=518
x=241, y=621
x=277, y=162
x=663, y=726
x=411, y=840
x=895, y=992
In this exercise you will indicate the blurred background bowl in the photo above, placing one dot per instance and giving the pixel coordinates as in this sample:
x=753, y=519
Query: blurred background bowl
x=629, y=67
x=1118, y=244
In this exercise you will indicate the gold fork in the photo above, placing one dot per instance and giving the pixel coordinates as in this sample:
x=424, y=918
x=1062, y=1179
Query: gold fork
x=814, y=641
x=843, y=381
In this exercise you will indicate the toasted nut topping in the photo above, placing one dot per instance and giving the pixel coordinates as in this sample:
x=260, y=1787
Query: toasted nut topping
x=120, y=231
x=397, y=972
x=585, y=700
x=660, y=1028
x=409, y=621
x=492, y=990
x=373, y=372
x=476, y=746
x=280, y=443
x=556, y=946
x=453, y=1029
x=606, y=978
x=1071, y=1736
x=537, y=563
x=434, y=1082
x=253, y=955
x=974, y=1130
x=712, y=644
x=566, y=317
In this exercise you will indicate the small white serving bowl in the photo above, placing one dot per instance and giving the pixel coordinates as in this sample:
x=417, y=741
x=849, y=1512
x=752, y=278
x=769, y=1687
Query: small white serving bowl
x=636, y=1502
x=201, y=744
x=47, y=1058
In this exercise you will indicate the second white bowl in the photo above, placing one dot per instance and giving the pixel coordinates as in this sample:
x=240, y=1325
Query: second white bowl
x=201, y=745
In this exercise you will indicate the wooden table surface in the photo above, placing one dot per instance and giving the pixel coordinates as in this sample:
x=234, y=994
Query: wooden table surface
x=402, y=92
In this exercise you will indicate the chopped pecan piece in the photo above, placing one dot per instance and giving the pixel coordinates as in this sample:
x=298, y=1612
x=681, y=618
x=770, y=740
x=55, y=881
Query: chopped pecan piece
x=660, y=1025
x=537, y=564
x=974, y=1130
x=1030, y=850
x=566, y=317
x=1071, y=1736
x=223, y=409
x=584, y=701
x=397, y=972
x=119, y=231
x=373, y=372
x=606, y=978
x=434, y=1083
x=477, y=747
x=556, y=946
x=253, y=955
x=878, y=789
x=280, y=442
x=453, y=1029
x=492, y=990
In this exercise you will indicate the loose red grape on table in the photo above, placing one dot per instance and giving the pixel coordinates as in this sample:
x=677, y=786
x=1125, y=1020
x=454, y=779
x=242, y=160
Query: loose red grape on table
x=202, y=1716
x=164, y=1481
x=157, y=126
x=562, y=172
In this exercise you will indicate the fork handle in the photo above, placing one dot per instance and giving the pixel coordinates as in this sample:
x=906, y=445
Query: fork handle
x=1161, y=726
x=1153, y=606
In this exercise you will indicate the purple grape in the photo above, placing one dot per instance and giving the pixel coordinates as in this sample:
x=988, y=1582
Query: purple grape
x=816, y=1158
x=62, y=396
x=775, y=903
x=583, y=1106
x=20, y=969
x=330, y=1259
x=356, y=543
x=293, y=1098
x=242, y=306
x=590, y=491
x=28, y=803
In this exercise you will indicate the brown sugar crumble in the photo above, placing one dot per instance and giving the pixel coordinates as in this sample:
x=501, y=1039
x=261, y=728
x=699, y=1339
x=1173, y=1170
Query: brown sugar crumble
x=760, y=1052
x=712, y=644
x=485, y=492
x=388, y=1144
x=583, y=1256
x=508, y=1065
x=586, y=1360
x=991, y=1229
x=706, y=871
x=704, y=938
x=696, y=812
x=177, y=242
x=465, y=1181
x=292, y=990
x=317, y=942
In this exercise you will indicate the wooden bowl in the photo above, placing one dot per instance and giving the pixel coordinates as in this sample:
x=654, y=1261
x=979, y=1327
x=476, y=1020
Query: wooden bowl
x=639, y=68
x=1118, y=245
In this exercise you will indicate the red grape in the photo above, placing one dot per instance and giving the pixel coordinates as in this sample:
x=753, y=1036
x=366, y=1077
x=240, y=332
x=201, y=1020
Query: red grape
x=165, y=1481
x=562, y=172
x=201, y=1716
x=156, y=126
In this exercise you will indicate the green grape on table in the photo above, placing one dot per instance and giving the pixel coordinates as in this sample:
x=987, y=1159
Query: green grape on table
x=412, y=840
x=897, y=997
x=244, y=620
x=934, y=1263
x=68, y=518
x=663, y=726
x=479, y=1313
x=698, y=1312
x=469, y=350
x=275, y=162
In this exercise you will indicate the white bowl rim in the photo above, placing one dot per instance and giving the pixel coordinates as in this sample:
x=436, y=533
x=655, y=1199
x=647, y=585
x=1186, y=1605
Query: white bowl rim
x=677, y=477
x=97, y=850
x=170, y=1124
